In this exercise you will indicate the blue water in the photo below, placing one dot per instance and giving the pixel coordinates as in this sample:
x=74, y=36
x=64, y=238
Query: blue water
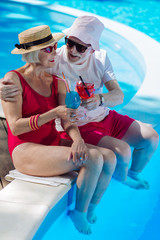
x=143, y=15
x=124, y=214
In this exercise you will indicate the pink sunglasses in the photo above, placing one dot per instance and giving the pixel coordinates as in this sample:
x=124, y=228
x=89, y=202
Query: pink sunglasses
x=50, y=48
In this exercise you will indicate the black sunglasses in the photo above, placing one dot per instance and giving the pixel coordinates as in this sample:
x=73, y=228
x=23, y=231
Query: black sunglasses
x=80, y=48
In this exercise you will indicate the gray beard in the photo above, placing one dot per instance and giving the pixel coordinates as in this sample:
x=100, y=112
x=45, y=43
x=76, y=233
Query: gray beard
x=82, y=60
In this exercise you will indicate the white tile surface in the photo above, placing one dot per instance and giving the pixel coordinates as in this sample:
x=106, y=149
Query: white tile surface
x=23, y=207
x=32, y=193
x=19, y=221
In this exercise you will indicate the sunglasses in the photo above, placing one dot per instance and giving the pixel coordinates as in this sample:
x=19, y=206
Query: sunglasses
x=80, y=48
x=50, y=48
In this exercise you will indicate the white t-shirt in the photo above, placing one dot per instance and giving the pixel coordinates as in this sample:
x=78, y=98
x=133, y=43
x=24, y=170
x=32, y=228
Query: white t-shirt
x=96, y=69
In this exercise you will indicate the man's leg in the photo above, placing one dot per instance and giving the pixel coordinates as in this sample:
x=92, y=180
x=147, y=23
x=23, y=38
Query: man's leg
x=145, y=140
x=123, y=154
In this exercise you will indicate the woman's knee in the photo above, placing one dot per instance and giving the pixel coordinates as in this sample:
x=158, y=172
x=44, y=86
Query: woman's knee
x=110, y=161
x=95, y=159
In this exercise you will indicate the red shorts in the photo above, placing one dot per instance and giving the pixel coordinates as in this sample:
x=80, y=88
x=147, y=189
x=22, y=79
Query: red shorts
x=114, y=125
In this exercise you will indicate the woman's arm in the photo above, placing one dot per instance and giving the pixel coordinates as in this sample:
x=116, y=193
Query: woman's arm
x=69, y=127
x=13, y=111
x=79, y=150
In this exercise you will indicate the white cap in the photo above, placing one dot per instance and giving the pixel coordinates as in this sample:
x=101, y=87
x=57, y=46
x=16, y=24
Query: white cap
x=88, y=29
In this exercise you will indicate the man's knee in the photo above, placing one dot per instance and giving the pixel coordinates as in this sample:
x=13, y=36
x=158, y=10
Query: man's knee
x=153, y=140
x=124, y=153
x=150, y=142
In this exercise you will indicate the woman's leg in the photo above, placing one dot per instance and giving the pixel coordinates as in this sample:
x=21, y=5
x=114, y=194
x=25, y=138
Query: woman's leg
x=109, y=159
x=40, y=160
x=85, y=189
x=109, y=163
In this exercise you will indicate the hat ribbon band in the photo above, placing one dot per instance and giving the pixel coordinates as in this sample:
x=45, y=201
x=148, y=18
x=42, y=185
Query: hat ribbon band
x=34, y=43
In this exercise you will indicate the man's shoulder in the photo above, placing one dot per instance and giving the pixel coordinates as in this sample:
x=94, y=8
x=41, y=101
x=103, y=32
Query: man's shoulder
x=100, y=56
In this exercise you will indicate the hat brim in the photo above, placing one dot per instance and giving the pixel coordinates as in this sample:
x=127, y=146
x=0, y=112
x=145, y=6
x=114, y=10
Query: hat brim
x=81, y=35
x=56, y=38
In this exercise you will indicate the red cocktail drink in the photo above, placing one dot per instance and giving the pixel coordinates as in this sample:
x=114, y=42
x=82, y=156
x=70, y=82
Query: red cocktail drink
x=85, y=91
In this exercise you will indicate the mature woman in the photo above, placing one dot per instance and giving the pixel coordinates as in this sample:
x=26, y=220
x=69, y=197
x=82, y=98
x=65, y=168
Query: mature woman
x=34, y=143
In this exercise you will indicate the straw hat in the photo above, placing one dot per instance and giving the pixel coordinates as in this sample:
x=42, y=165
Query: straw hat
x=36, y=38
x=88, y=29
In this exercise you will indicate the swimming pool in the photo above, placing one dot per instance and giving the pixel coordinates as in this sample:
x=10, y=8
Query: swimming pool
x=125, y=213
x=140, y=14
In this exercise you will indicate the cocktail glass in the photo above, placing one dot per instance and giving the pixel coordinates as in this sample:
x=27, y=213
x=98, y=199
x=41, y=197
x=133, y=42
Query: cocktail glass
x=85, y=91
x=72, y=100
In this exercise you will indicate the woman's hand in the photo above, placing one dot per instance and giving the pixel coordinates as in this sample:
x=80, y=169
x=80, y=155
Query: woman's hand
x=78, y=152
x=66, y=113
x=8, y=90
x=91, y=103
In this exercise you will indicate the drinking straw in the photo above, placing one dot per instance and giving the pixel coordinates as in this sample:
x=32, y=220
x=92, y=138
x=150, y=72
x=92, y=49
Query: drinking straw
x=67, y=85
x=84, y=86
x=65, y=81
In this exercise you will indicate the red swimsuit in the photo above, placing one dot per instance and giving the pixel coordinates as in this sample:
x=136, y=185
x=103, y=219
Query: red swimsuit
x=34, y=103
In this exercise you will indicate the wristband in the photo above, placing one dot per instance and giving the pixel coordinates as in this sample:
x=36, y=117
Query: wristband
x=101, y=99
x=33, y=122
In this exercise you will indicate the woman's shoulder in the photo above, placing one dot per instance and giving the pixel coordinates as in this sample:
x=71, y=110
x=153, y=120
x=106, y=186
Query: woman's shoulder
x=15, y=76
x=12, y=75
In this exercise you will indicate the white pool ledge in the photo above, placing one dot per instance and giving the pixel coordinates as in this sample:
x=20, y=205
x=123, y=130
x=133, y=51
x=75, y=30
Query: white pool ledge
x=24, y=206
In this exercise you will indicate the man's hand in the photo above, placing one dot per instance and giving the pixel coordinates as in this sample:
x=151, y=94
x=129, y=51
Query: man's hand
x=91, y=103
x=8, y=90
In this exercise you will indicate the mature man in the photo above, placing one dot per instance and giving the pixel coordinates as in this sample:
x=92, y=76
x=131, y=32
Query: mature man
x=81, y=56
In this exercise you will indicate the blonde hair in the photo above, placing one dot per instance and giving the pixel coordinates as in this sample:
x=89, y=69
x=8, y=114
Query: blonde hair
x=31, y=57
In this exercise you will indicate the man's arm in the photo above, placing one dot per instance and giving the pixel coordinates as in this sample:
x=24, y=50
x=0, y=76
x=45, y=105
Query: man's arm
x=112, y=98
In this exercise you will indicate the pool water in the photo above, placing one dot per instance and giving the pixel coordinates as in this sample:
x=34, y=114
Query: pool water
x=124, y=213
x=143, y=15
